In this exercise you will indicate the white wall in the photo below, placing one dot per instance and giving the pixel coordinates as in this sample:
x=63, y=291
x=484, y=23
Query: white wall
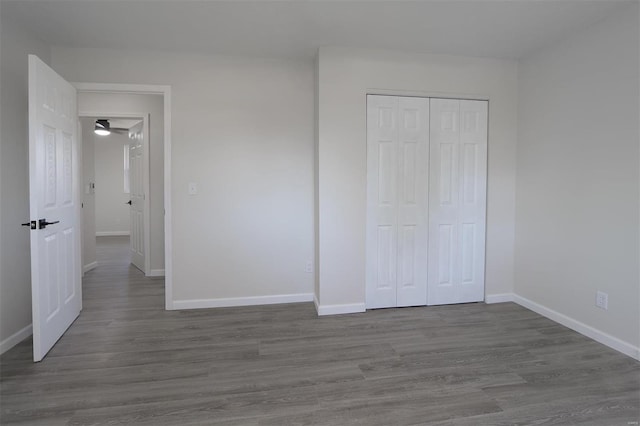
x=88, y=198
x=15, y=265
x=578, y=177
x=345, y=77
x=111, y=105
x=243, y=131
x=112, y=212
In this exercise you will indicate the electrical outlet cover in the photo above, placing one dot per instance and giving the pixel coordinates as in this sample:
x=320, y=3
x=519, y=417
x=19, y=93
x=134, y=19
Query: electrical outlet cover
x=602, y=300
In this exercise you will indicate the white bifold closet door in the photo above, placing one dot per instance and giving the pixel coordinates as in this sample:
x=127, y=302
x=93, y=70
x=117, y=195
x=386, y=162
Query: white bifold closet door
x=398, y=153
x=426, y=201
x=457, y=201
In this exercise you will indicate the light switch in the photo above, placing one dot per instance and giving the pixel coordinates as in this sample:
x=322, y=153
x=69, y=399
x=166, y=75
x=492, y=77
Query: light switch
x=193, y=188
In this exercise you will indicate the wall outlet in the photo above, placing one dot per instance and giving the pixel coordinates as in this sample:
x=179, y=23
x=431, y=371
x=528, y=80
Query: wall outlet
x=308, y=267
x=193, y=188
x=602, y=300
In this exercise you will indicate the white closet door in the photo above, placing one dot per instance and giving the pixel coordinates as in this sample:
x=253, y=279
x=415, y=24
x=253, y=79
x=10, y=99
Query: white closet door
x=457, y=201
x=413, y=176
x=397, y=185
x=382, y=212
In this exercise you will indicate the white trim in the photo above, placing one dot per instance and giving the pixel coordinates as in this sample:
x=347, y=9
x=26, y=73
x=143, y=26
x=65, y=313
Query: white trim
x=15, y=338
x=316, y=303
x=597, y=335
x=146, y=184
x=86, y=268
x=340, y=309
x=168, y=227
x=242, y=301
x=112, y=234
x=156, y=273
x=165, y=91
x=149, y=89
x=428, y=94
x=498, y=298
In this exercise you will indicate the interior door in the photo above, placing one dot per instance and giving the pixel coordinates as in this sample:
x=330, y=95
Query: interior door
x=54, y=207
x=137, y=210
x=397, y=184
x=457, y=200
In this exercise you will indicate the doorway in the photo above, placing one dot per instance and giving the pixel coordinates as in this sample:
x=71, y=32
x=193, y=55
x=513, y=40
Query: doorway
x=153, y=103
x=116, y=190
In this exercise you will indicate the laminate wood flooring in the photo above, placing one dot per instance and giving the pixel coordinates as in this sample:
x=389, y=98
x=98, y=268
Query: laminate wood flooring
x=128, y=361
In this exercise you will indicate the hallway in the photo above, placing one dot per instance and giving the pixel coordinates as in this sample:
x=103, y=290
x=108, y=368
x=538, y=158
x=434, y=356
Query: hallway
x=117, y=290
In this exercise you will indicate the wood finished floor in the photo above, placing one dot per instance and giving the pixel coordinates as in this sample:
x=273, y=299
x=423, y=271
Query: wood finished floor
x=127, y=361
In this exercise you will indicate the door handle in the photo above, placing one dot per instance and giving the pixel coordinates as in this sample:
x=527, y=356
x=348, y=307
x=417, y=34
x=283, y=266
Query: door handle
x=42, y=223
x=128, y=202
x=32, y=224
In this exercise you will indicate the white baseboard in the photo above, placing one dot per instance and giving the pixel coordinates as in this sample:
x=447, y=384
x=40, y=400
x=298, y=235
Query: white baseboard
x=112, y=234
x=242, y=301
x=498, y=298
x=89, y=266
x=340, y=309
x=156, y=273
x=15, y=338
x=582, y=328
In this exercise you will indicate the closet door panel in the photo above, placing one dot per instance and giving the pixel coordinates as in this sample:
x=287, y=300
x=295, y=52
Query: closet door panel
x=412, y=203
x=382, y=212
x=473, y=205
x=457, y=201
x=443, y=201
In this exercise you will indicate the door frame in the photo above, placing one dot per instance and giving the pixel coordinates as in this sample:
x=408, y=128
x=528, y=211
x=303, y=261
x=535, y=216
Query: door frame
x=145, y=173
x=165, y=91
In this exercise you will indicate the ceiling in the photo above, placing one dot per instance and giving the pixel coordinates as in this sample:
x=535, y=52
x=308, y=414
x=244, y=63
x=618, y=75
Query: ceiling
x=295, y=29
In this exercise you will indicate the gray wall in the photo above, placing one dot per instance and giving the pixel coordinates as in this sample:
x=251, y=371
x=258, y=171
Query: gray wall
x=112, y=212
x=345, y=78
x=243, y=131
x=577, y=177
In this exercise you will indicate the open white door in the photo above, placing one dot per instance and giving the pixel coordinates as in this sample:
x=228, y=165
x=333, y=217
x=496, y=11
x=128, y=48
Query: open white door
x=137, y=192
x=54, y=207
